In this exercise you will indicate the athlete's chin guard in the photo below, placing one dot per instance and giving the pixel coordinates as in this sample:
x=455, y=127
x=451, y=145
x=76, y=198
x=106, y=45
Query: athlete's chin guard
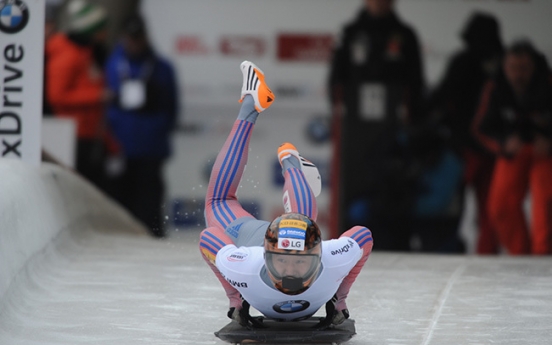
x=293, y=251
x=292, y=283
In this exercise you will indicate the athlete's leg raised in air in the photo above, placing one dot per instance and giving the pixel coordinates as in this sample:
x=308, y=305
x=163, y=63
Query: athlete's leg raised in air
x=221, y=204
x=298, y=195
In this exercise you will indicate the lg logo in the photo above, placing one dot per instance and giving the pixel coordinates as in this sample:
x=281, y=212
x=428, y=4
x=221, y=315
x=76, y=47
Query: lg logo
x=291, y=244
x=296, y=244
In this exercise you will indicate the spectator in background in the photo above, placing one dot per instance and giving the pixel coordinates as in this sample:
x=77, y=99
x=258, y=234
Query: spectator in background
x=376, y=77
x=50, y=28
x=454, y=103
x=515, y=122
x=75, y=86
x=142, y=117
x=436, y=211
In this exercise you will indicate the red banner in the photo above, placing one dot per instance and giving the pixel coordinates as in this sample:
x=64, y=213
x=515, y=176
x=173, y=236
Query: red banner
x=305, y=47
x=190, y=45
x=242, y=46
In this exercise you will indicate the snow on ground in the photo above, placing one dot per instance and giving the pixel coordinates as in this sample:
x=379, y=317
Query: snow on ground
x=97, y=278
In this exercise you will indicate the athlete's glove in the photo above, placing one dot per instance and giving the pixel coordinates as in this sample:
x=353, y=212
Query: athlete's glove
x=243, y=317
x=333, y=316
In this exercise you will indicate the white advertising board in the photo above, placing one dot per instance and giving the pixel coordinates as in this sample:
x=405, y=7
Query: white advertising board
x=206, y=39
x=21, y=63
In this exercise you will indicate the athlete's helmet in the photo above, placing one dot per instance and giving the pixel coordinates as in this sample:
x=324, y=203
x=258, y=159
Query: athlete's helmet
x=293, y=251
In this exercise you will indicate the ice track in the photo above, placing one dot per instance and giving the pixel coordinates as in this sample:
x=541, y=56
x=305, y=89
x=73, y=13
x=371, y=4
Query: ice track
x=102, y=281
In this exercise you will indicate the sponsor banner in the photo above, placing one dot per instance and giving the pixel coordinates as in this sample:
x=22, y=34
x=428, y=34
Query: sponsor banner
x=345, y=249
x=190, y=45
x=236, y=284
x=237, y=256
x=291, y=244
x=293, y=47
x=296, y=30
x=292, y=233
x=21, y=58
x=293, y=223
x=242, y=46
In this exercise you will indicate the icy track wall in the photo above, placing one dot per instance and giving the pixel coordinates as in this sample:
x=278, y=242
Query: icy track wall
x=38, y=203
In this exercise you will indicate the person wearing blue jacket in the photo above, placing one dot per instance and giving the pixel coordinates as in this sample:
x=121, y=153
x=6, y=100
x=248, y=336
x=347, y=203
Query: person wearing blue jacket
x=141, y=117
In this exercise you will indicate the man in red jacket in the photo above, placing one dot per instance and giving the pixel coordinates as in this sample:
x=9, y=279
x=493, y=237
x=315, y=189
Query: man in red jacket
x=515, y=122
x=75, y=88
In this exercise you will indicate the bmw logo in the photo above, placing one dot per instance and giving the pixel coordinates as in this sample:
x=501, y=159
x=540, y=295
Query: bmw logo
x=14, y=16
x=288, y=307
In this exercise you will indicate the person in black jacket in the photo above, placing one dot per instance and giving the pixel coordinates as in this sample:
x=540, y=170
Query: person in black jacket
x=515, y=122
x=454, y=103
x=376, y=77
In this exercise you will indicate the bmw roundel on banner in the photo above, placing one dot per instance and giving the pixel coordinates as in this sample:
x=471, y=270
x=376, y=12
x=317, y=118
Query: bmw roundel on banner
x=14, y=16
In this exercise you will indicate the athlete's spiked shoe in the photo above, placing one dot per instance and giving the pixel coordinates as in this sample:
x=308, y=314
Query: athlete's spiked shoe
x=307, y=167
x=287, y=149
x=254, y=84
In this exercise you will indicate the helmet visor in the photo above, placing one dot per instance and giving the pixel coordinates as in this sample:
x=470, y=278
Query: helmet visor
x=283, y=265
